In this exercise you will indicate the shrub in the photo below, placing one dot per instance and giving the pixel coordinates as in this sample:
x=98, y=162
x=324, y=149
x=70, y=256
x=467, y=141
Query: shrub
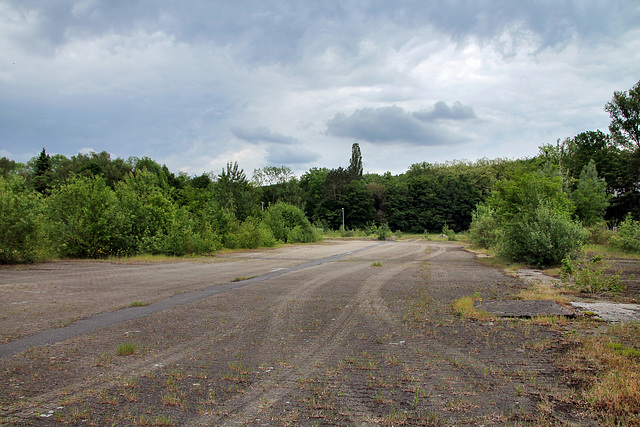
x=543, y=239
x=589, y=275
x=628, y=235
x=383, y=232
x=282, y=218
x=451, y=235
x=484, y=227
x=86, y=220
x=21, y=223
x=599, y=234
x=251, y=234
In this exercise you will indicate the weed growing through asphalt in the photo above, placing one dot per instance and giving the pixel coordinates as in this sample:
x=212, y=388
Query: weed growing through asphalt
x=542, y=291
x=588, y=275
x=242, y=278
x=172, y=398
x=138, y=304
x=465, y=308
x=127, y=349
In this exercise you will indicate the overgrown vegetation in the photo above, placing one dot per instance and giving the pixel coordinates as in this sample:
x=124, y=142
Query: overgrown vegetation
x=589, y=275
x=614, y=358
x=529, y=210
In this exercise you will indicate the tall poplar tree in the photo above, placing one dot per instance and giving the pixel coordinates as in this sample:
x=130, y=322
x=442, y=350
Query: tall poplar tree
x=354, y=170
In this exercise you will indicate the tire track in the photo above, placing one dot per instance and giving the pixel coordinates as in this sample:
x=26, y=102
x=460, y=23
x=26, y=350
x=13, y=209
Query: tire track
x=261, y=396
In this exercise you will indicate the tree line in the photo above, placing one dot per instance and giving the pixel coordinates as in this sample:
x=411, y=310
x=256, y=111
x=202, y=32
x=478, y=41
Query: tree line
x=91, y=205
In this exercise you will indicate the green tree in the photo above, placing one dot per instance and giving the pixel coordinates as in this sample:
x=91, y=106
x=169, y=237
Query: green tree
x=9, y=167
x=312, y=185
x=523, y=194
x=278, y=184
x=146, y=212
x=21, y=222
x=41, y=179
x=590, y=196
x=235, y=193
x=354, y=171
x=533, y=215
x=357, y=202
x=86, y=220
x=624, y=110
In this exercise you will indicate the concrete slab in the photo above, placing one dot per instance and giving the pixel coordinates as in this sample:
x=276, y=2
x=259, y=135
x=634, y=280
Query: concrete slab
x=610, y=312
x=517, y=308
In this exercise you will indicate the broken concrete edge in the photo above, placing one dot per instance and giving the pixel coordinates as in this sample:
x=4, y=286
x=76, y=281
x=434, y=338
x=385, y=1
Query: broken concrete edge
x=604, y=311
x=525, y=308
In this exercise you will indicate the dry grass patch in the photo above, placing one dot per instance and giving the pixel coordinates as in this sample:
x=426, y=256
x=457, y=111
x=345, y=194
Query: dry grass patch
x=609, y=366
x=543, y=291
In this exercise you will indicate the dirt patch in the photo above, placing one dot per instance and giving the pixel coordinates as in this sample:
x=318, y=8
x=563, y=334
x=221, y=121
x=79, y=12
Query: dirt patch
x=340, y=343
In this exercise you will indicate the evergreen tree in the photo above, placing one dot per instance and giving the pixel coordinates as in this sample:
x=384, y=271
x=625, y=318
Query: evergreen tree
x=42, y=172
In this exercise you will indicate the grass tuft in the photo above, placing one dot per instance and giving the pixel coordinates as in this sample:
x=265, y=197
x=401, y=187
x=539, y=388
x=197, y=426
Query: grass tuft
x=465, y=308
x=138, y=304
x=127, y=349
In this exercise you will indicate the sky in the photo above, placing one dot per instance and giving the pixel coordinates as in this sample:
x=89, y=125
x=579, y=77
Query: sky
x=195, y=84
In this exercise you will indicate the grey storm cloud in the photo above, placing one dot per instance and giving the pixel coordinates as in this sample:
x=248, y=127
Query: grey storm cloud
x=393, y=124
x=262, y=134
x=276, y=31
x=183, y=82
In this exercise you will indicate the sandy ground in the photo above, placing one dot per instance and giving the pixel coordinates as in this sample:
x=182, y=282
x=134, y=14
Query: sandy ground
x=366, y=339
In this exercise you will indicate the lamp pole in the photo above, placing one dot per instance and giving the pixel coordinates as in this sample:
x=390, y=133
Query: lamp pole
x=343, y=218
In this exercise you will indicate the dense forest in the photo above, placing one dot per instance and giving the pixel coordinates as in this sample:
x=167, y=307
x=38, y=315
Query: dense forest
x=536, y=209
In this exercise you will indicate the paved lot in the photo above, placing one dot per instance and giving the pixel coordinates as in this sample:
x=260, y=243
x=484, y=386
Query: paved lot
x=334, y=340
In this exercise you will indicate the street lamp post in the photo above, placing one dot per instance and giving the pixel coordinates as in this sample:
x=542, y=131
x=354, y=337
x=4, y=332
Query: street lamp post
x=343, y=218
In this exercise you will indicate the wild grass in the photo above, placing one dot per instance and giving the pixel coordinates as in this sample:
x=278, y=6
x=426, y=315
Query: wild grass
x=127, y=349
x=376, y=264
x=609, y=366
x=138, y=304
x=543, y=291
x=612, y=251
x=465, y=308
x=172, y=398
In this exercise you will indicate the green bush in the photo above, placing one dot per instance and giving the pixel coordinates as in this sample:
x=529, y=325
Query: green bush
x=484, y=230
x=628, y=235
x=86, y=220
x=543, y=239
x=599, y=234
x=282, y=218
x=252, y=234
x=180, y=238
x=383, y=232
x=451, y=235
x=21, y=222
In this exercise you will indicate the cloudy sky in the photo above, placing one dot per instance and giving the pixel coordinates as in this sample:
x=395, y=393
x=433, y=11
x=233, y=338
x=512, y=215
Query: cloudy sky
x=196, y=83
